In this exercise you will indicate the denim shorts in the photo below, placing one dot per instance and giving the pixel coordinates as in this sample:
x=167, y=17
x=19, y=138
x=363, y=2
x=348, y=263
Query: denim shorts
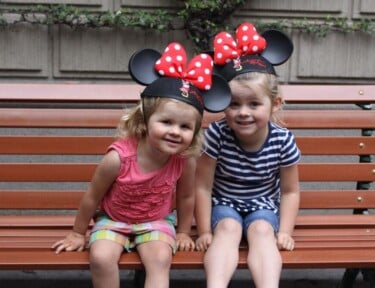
x=219, y=212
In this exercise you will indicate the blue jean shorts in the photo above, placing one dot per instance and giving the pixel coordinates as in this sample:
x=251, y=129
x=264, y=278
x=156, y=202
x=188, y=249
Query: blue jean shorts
x=219, y=212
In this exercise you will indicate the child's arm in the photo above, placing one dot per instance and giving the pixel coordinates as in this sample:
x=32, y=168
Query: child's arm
x=185, y=199
x=102, y=180
x=204, y=181
x=290, y=196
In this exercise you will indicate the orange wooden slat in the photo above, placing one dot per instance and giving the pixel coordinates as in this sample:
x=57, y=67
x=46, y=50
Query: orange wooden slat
x=336, y=220
x=337, y=172
x=108, y=118
x=68, y=199
x=336, y=145
x=47, y=172
x=337, y=199
x=328, y=93
x=63, y=118
x=130, y=92
x=70, y=92
x=46, y=145
x=299, y=258
x=39, y=199
x=87, y=145
x=329, y=119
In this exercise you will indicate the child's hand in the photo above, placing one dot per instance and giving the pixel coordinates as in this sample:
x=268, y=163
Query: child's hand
x=73, y=241
x=203, y=241
x=184, y=242
x=285, y=241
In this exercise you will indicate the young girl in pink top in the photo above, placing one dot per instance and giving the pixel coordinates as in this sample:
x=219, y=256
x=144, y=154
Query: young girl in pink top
x=151, y=163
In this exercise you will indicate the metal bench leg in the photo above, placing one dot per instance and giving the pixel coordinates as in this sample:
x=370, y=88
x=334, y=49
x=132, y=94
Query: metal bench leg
x=139, y=278
x=349, y=278
x=369, y=277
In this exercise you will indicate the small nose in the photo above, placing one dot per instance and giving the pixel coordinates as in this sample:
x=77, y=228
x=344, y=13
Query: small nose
x=175, y=130
x=244, y=111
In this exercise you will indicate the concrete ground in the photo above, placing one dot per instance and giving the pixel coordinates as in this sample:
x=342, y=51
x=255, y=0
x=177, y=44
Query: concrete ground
x=295, y=278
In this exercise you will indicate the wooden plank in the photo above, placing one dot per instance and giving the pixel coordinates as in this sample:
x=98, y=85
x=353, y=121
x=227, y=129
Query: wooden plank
x=109, y=118
x=50, y=172
x=337, y=199
x=336, y=145
x=319, y=94
x=329, y=119
x=337, y=172
x=69, y=199
x=39, y=199
x=344, y=221
x=57, y=144
x=299, y=258
x=70, y=92
x=129, y=92
x=61, y=118
x=47, y=172
x=88, y=145
x=303, y=221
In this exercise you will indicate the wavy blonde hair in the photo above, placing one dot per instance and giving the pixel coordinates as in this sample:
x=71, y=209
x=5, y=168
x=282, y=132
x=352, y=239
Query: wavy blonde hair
x=134, y=123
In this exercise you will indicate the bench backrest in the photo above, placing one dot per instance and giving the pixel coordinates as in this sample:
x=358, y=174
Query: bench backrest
x=53, y=135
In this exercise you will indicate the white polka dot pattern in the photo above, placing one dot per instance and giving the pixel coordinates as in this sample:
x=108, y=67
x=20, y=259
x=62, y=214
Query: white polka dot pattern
x=248, y=42
x=173, y=64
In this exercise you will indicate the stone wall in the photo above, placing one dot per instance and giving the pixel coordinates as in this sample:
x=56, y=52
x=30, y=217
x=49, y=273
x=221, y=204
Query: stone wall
x=41, y=53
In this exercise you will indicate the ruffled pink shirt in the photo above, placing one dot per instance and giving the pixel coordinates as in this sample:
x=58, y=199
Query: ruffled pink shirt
x=138, y=197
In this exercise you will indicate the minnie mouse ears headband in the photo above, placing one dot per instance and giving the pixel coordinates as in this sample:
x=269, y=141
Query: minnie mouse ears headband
x=250, y=52
x=168, y=75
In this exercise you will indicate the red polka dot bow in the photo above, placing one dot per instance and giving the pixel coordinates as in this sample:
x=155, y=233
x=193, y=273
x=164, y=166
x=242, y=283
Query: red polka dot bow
x=173, y=64
x=248, y=42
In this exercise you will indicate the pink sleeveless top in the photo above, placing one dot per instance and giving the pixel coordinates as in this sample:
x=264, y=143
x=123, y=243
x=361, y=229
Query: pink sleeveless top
x=138, y=197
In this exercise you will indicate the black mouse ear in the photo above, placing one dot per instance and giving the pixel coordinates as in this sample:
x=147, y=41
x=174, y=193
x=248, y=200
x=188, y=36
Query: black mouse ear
x=218, y=97
x=279, y=47
x=141, y=66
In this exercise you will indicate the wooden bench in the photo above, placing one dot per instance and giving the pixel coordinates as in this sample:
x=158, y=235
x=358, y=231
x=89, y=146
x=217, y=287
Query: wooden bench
x=53, y=135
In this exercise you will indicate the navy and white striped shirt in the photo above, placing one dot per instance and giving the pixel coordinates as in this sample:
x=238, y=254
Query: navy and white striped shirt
x=249, y=181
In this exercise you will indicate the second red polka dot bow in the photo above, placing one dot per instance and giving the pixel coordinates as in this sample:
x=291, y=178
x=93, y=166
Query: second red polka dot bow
x=248, y=42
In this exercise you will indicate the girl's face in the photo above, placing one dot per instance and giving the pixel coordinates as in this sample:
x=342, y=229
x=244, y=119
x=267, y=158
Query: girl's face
x=171, y=127
x=249, y=113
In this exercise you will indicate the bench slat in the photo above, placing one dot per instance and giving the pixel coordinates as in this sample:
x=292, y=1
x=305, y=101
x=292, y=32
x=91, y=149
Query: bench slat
x=70, y=92
x=311, y=258
x=304, y=221
x=337, y=172
x=129, y=92
x=69, y=199
x=88, y=145
x=108, y=118
x=39, y=199
x=49, y=145
x=60, y=118
x=82, y=172
x=47, y=172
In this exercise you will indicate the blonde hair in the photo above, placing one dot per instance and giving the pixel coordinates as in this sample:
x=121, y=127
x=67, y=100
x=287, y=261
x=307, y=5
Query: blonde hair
x=134, y=122
x=265, y=83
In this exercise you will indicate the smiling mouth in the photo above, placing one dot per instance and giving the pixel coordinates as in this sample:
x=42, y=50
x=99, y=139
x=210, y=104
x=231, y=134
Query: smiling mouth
x=245, y=123
x=172, y=141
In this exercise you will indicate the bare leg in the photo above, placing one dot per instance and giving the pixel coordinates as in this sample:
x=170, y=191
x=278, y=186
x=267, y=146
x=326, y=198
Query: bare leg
x=221, y=258
x=104, y=257
x=264, y=258
x=156, y=256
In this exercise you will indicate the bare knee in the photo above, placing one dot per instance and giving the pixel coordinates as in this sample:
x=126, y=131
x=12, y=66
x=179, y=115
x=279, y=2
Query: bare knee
x=155, y=254
x=228, y=226
x=261, y=229
x=104, y=259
